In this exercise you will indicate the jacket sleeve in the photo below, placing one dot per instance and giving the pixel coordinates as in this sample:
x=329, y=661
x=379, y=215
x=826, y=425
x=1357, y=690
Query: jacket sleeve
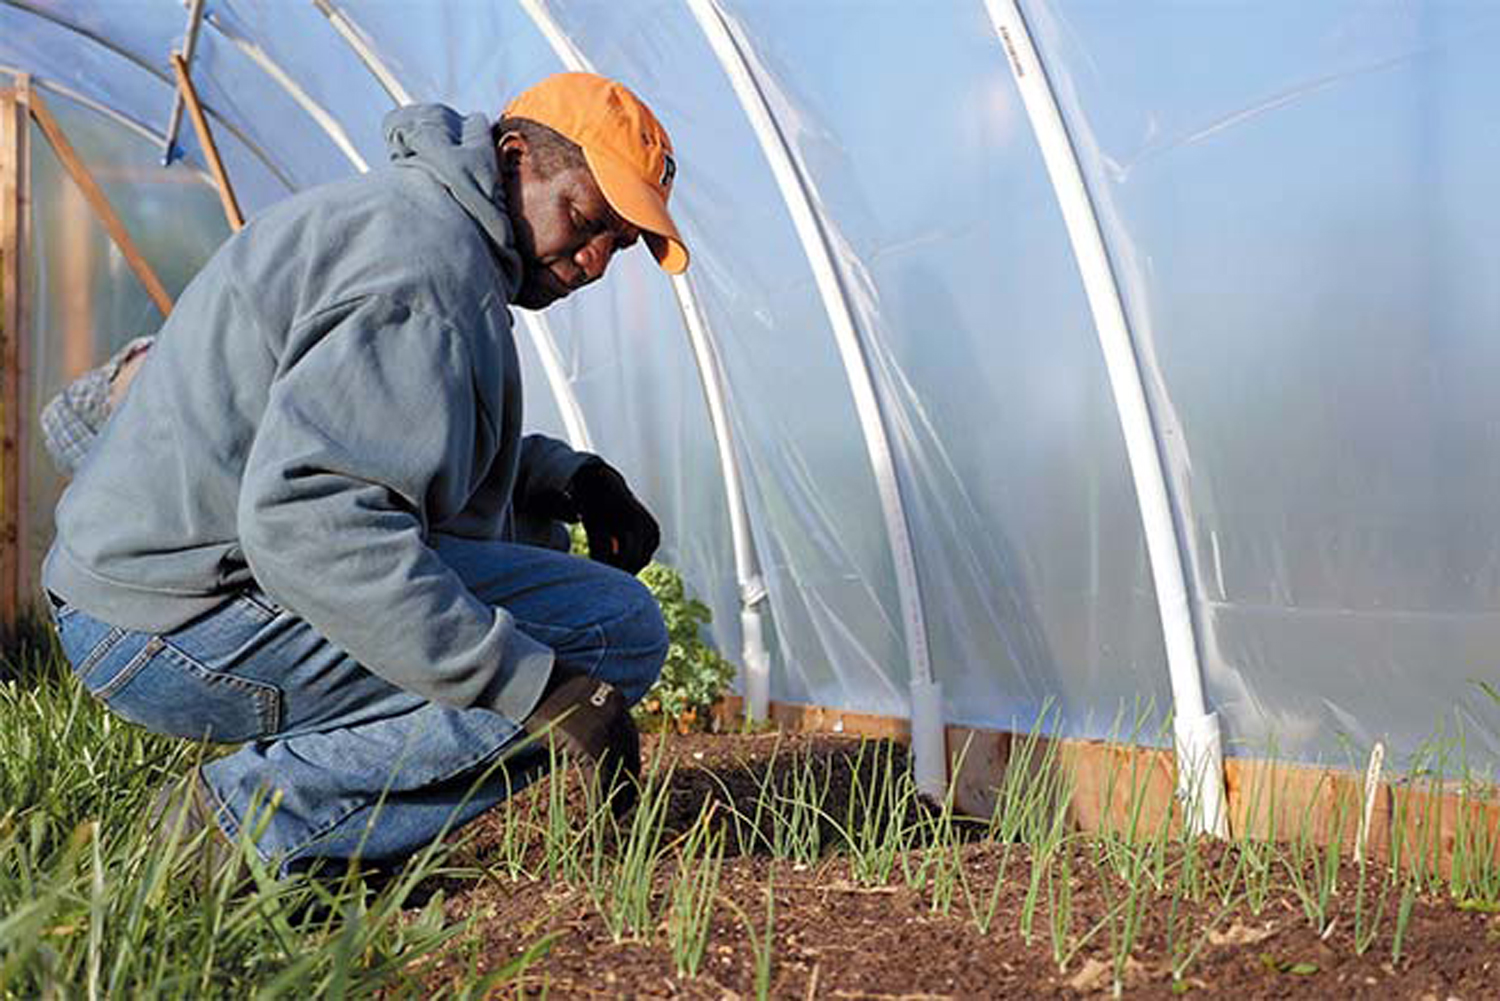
x=368, y=438
x=546, y=467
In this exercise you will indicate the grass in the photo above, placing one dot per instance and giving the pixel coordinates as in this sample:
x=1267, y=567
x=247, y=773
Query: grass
x=95, y=903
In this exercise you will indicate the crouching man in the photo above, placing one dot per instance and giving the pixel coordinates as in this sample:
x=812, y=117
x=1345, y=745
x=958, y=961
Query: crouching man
x=298, y=532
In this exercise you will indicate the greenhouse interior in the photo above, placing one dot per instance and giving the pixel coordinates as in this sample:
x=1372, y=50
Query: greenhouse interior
x=1110, y=373
x=1045, y=363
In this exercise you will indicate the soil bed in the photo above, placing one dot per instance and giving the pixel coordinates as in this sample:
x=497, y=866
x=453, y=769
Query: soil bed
x=838, y=933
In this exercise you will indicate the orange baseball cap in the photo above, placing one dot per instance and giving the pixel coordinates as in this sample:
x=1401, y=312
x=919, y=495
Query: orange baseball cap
x=628, y=151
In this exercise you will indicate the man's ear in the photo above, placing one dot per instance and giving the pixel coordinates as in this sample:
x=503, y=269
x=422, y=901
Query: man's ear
x=512, y=148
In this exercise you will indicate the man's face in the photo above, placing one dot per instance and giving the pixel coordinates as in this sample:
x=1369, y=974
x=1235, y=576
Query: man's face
x=566, y=232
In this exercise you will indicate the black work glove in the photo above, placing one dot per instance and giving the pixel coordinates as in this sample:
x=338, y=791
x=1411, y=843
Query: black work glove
x=589, y=718
x=621, y=531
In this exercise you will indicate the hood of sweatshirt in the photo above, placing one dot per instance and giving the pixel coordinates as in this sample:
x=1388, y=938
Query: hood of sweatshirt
x=456, y=150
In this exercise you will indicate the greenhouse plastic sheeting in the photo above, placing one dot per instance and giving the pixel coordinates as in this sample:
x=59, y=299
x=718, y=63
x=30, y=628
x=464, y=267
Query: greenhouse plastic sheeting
x=995, y=522
x=812, y=495
x=1294, y=203
x=132, y=78
x=86, y=302
x=1296, y=206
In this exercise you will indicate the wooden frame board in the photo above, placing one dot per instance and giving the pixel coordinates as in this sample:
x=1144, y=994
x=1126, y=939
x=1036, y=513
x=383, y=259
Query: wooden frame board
x=99, y=202
x=14, y=344
x=189, y=95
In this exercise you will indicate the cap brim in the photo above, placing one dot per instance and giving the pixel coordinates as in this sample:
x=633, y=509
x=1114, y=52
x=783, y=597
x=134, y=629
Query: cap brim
x=639, y=204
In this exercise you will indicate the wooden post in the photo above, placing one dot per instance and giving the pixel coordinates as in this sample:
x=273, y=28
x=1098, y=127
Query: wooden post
x=14, y=211
x=206, y=140
x=99, y=202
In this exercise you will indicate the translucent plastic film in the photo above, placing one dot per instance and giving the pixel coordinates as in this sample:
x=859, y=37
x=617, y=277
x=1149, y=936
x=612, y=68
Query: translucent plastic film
x=473, y=56
x=813, y=503
x=86, y=302
x=1295, y=200
x=1011, y=463
x=117, y=57
x=245, y=98
x=1297, y=205
x=999, y=627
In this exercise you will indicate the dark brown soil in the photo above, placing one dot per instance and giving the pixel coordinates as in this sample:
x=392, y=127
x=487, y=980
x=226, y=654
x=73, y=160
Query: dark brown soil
x=835, y=937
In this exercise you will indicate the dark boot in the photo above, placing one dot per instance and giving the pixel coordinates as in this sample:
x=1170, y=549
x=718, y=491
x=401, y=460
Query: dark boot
x=186, y=806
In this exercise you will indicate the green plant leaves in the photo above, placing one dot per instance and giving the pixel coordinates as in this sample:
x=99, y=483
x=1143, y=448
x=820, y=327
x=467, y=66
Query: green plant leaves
x=1275, y=965
x=694, y=674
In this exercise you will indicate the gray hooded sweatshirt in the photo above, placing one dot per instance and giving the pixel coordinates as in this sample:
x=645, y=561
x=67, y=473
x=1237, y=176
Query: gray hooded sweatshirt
x=337, y=384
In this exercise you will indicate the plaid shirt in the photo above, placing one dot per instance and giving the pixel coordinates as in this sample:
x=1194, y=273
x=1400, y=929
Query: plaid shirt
x=72, y=419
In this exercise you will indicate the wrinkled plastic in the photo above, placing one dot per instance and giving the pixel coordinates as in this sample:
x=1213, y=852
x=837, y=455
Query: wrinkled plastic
x=1296, y=207
x=1295, y=202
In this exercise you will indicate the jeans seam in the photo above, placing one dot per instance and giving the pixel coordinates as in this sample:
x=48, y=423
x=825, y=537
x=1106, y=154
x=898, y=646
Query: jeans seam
x=601, y=643
x=597, y=637
x=262, y=606
x=101, y=650
x=131, y=669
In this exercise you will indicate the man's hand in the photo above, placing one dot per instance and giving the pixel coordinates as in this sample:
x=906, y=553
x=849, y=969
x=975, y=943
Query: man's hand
x=621, y=531
x=589, y=718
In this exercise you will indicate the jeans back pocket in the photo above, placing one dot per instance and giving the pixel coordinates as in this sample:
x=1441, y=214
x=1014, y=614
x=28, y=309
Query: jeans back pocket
x=145, y=679
x=165, y=690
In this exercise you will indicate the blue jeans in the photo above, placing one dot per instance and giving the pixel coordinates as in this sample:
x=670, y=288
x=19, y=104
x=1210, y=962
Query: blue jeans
x=337, y=741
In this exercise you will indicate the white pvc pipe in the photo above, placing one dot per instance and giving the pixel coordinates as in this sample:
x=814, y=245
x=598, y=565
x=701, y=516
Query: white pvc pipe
x=567, y=53
x=356, y=40
x=754, y=655
x=286, y=82
x=928, y=755
x=1199, y=746
x=753, y=594
x=557, y=378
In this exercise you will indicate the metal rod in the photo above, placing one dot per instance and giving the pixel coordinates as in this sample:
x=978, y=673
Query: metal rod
x=1200, y=771
x=754, y=627
x=97, y=199
x=189, y=46
x=14, y=159
x=928, y=742
x=360, y=43
x=189, y=94
x=51, y=16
